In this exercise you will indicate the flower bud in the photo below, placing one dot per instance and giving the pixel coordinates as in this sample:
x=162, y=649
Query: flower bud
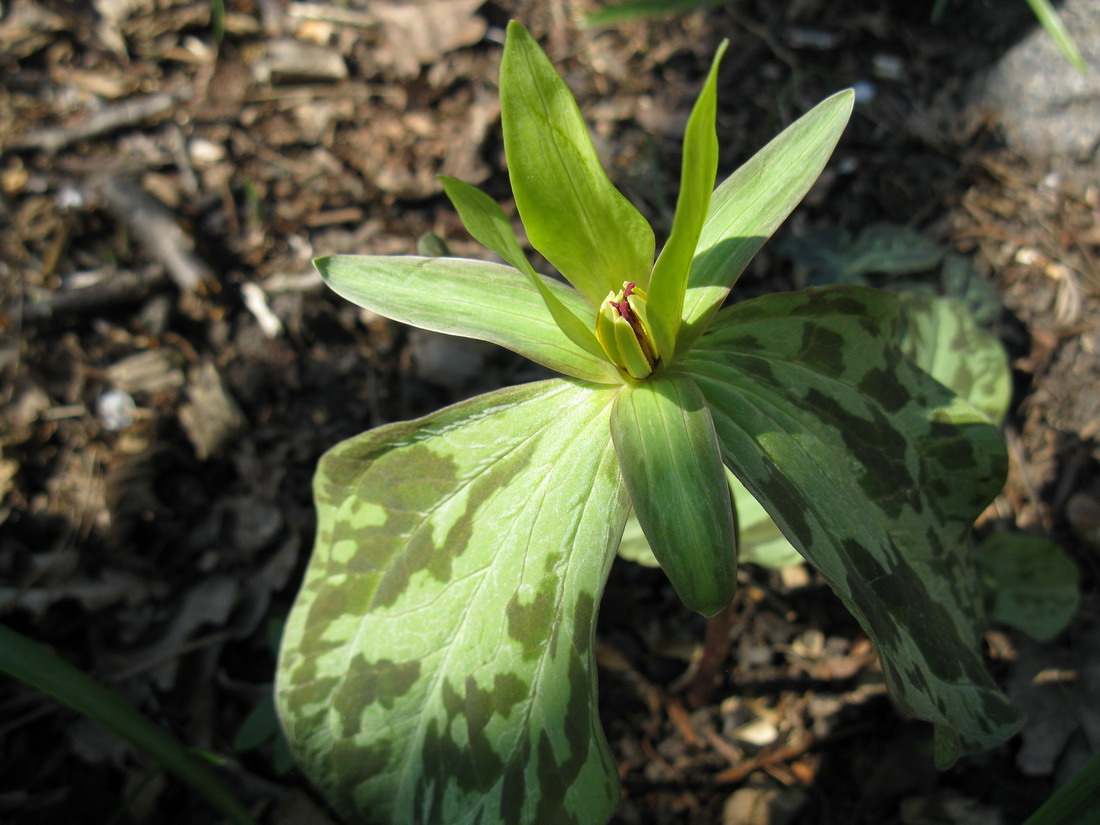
x=623, y=331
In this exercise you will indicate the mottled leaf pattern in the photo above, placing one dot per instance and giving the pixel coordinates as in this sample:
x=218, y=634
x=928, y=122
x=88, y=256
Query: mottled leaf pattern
x=437, y=666
x=940, y=336
x=875, y=473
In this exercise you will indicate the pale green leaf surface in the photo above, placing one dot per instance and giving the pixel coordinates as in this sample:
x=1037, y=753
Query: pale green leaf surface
x=486, y=221
x=941, y=338
x=670, y=458
x=437, y=666
x=875, y=473
x=700, y=164
x=572, y=213
x=1031, y=584
x=473, y=299
x=751, y=203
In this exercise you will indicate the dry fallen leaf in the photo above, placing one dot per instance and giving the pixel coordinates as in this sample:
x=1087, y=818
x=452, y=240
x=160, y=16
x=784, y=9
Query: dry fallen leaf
x=418, y=34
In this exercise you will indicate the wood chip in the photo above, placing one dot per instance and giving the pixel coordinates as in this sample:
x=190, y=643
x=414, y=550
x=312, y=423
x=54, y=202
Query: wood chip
x=211, y=418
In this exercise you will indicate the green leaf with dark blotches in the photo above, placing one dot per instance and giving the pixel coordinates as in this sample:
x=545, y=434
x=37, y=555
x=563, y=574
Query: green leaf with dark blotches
x=669, y=455
x=437, y=666
x=940, y=336
x=1030, y=583
x=875, y=473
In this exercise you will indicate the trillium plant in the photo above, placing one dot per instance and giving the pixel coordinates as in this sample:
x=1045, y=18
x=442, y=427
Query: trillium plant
x=437, y=666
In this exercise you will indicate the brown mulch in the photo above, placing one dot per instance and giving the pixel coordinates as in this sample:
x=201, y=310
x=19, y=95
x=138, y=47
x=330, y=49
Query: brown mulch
x=172, y=368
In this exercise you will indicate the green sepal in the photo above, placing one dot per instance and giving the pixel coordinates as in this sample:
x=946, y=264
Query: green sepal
x=437, y=666
x=875, y=472
x=670, y=458
x=571, y=211
x=487, y=223
x=751, y=204
x=473, y=299
x=669, y=280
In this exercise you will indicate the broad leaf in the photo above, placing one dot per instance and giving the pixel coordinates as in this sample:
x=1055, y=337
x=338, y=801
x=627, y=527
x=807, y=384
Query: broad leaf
x=751, y=203
x=700, y=164
x=759, y=539
x=437, y=666
x=876, y=473
x=486, y=221
x=473, y=299
x=571, y=211
x=670, y=458
x=1030, y=583
x=941, y=338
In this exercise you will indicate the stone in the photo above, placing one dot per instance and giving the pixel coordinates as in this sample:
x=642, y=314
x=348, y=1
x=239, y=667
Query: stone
x=1047, y=109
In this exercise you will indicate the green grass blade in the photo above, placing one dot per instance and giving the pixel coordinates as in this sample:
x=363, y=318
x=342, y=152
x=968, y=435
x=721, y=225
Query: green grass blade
x=636, y=9
x=1076, y=802
x=35, y=665
x=1054, y=26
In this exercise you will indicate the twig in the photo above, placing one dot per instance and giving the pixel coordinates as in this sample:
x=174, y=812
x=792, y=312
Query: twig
x=122, y=287
x=116, y=116
x=157, y=230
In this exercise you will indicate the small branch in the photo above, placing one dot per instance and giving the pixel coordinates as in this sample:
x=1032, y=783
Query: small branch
x=122, y=287
x=157, y=230
x=116, y=116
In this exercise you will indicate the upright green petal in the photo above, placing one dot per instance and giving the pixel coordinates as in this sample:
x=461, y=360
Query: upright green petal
x=751, y=203
x=672, y=464
x=700, y=164
x=571, y=211
x=875, y=472
x=486, y=221
x=437, y=666
x=473, y=299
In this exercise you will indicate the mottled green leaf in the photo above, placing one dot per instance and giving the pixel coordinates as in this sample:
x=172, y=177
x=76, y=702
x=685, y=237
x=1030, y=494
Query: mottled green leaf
x=700, y=164
x=759, y=539
x=486, y=221
x=437, y=666
x=941, y=338
x=876, y=473
x=888, y=249
x=1030, y=583
x=572, y=213
x=670, y=458
x=976, y=292
x=473, y=299
x=880, y=249
x=751, y=203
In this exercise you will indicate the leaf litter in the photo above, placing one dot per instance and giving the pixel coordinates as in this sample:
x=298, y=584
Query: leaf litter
x=154, y=178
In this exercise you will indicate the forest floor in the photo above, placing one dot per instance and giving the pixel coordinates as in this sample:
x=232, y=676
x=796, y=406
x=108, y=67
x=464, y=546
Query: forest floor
x=172, y=368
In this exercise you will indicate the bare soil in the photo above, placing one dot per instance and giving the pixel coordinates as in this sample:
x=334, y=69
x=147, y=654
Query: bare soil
x=172, y=368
